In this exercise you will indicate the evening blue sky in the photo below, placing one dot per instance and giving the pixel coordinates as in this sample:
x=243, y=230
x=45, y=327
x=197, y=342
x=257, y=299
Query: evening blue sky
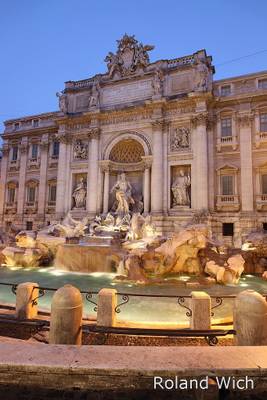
x=47, y=42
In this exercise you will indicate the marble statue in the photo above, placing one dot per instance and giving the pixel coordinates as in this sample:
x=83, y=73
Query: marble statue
x=123, y=194
x=95, y=95
x=202, y=76
x=180, y=189
x=80, y=150
x=157, y=83
x=79, y=194
x=63, y=101
x=114, y=63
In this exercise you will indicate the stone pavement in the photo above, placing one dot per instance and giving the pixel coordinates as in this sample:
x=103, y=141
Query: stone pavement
x=102, y=369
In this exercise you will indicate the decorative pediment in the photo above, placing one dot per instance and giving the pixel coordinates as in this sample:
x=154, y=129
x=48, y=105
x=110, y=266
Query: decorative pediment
x=227, y=167
x=131, y=56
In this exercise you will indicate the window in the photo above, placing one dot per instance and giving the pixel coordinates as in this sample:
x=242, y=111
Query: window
x=34, y=151
x=264, y=226
x=35, y=123
x=263, y=122
x=55, y=150
x=225, y=90
x=264, y=184
x=11, y=195
x=16, y=126
x=31, y=194
x=28, y=225
x=228, y=229
x=227, y=185
x=14, y=153
x=226, y=127
x=52, y=193
x=262, y=83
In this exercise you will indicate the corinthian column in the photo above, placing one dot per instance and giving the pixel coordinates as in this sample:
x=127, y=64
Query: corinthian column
x=199, y=182
x=22, y=176
x=61, y=174
x=246, y=161
x=146, y=183
x=92, y=184
x=43, y=173
x=104, y=165
x=157, y=168
x=4, y=165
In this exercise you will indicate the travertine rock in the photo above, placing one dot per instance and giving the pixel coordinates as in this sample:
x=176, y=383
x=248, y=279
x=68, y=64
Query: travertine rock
x=17, y=256
x=180, y=253
x=229, y=273
x=26, y=239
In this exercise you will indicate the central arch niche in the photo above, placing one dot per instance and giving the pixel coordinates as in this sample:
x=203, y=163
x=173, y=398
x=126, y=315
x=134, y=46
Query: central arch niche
x=126, y=156
x=127, y=151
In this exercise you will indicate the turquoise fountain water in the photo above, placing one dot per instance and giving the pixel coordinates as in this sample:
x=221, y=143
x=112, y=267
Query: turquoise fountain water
x=138, y=309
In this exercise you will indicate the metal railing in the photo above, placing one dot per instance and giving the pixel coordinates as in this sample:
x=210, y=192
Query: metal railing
x=182, y=301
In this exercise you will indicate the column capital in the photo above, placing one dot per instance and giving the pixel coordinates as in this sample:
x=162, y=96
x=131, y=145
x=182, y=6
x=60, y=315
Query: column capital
x=23, y=148
x=245, y=119
x=5, y=149
x=104, y=165
x=94, y=133
x=158, y=124
x=199, y=119
x=147, y=161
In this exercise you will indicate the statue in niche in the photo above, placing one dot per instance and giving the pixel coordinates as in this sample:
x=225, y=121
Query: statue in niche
x=95, y=94
x=63, y=102
x=202, y=76
x=157, y=83
x=80, y=150
x=123, y=193
x=180, y=139
x=181, y=189
x=79, y=194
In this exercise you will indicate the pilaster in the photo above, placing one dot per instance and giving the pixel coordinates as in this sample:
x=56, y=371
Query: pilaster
x=4, y=166
x=245, y=121
x=23, y=152
x=93, y=169
x=200, y=162
x=157, y=167
x=44, y=145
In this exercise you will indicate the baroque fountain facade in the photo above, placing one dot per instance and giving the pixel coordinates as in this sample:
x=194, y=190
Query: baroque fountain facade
x=145, y=172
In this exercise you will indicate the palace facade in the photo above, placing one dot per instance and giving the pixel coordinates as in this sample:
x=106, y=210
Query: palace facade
x=188, y=145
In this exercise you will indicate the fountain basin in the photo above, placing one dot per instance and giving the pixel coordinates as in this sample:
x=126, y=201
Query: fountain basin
x=88, y=258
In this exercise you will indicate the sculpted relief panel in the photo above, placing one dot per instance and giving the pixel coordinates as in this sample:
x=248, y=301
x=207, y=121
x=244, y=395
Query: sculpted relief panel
x=180, y=139
x=80, y=150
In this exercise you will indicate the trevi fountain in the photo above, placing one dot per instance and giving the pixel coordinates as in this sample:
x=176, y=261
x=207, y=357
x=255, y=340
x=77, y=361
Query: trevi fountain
x=122, y=250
